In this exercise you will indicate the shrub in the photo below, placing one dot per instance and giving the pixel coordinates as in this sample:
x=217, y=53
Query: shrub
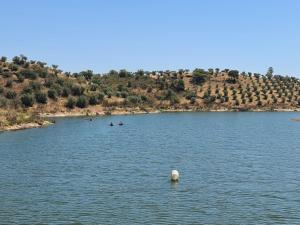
x=41, y=97
x=70, y=103
x=29, y=74
x=10, y=94
x=20, y=78
x=180, y=85
x=27, y=90
x=101, y=97
x=77, y=90
x=27, y=100
x=124, y=94
x=93, y=87
x=133, y=99
x=81, y=102
x=35, y=86
x=93, y=100
x=3, y=59
x=52, y=93
x=9, y=83
x=66, y=92
x=199, y=76
x=13, y=67
x=3, y=102
x=123, y=73
x=190, y=94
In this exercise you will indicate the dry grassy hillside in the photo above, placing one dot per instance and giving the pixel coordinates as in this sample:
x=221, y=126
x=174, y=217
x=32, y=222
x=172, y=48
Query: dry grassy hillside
x=31, y=88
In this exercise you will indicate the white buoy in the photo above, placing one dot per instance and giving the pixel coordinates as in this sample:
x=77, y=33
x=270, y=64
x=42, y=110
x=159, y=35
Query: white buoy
x=174, y=175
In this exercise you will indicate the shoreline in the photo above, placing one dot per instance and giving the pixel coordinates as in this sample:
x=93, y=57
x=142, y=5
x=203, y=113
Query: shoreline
x=46, y=116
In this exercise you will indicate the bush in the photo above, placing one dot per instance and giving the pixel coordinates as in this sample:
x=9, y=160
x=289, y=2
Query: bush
x=20, y=78
x=190, y=94
x=9, y=83
x=93, y=100
x=77, y=90
x=41, y=97
x=52, y=93
x=3, y=102
x=27, y=100
x=199, y=76
x=35, y=86
x=70, y=103
x=66, y=92
x=180, y=85
x=101, y=97
x=27, y=90
x=29, y=74
x=81, y=102
x=133, y=99
x=3, y=59
x=123, y=73
x=10, y=94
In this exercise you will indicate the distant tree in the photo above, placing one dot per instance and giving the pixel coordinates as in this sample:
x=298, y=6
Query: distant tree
x=211, y=71
x=123, y=73
x=77, y=90
x=199, y=76
x=180, y=85
x=140, y=73
x=81, y=102
x=93, y=100
x=17, y=60
x=234, y=74
x=41, y=97
x=29, y=74
x=88, y=74
x=27, y=100
x=3, y=59
x=113, y=73
x=70, y=103
x=52, y=93
x=270, y=72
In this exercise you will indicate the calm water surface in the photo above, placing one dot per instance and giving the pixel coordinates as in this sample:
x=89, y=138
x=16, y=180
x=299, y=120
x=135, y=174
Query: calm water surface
x=236, y=168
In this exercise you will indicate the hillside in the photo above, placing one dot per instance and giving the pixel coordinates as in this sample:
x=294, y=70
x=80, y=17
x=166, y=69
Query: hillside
x=30, y=89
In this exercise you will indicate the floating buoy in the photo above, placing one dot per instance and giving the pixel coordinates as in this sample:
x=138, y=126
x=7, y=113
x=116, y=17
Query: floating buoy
x=174, y=175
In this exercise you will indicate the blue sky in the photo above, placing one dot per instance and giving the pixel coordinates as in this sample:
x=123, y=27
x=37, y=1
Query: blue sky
x=249, y=35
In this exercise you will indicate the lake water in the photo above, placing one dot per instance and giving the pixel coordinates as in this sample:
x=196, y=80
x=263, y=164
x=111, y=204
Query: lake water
x=236, y=168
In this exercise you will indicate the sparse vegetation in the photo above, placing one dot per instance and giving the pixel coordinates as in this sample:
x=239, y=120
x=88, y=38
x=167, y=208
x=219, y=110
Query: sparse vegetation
x=32, y=85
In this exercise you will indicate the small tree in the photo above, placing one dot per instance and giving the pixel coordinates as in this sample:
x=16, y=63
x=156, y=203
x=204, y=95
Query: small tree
x=180, y=85
x=41, y=97
x=233, y=76
x=52, y=93
x=81, y=102
x=10, y=94
x=199, y=76
x=270, y=73
x=3, y=59
x=70, y=103
x=27, y=100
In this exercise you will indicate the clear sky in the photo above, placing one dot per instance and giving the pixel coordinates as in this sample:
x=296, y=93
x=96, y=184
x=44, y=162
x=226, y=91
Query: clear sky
x=249, y=35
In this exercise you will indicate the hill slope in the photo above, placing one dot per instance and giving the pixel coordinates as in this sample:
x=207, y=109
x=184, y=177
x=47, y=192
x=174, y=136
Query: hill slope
x=29, y=89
